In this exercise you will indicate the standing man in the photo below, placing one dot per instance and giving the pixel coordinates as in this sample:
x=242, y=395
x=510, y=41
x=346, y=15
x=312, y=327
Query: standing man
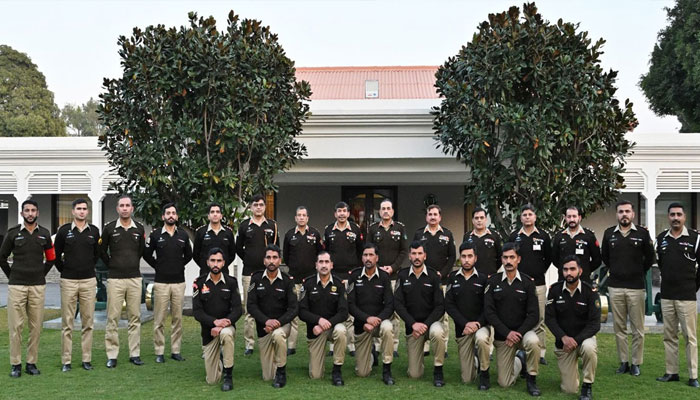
x=273, y=304
x=77, y=253
x=464, y=302
x=578, y=241
x=511, y=308
x=324, y=307
x=678, y=250
x=216, y=304
x=33, y=254
x=392, y=245
x=535, y=259
x=371, y=302
x=301, y=246
x=628, y=252
x=173, y=251
x=486, y=243
x=215, y=234
x=573, y=317
x=254, y=235
x=121, y=247
x=419, y=302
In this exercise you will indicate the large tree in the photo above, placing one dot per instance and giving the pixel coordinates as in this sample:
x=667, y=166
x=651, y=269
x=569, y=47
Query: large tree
x=202, y=115
x=527, y=107
x=26, y=105
x=672, y=84
x=82, y=120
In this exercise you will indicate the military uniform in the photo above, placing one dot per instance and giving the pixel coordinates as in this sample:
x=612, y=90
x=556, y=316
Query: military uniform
x=577, y=315
x=121, y=249
x=77, y=253
x=33, y=256
x=583, y=244
x=173, y=252
x=206, y=238
x=212, y=301
x=330, y=302
x=628, y=256
x=488, y=250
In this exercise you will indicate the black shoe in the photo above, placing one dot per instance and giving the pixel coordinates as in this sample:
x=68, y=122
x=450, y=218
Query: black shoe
x=177, y=357
x=280, y=377
x=386, y=375
x=523, y=361
x=426, y=353
x=66, y=367
x=86, y=366
x=248, y=352
x=668, y=378
x=16, y=371
x=291, y=352
x=375, y=358
x=112, y=363
x=330, y=353
x=634, y=370
x=484, y=380
x=532, y=386
x=160, y=359
x=624, y=368
x=438, y=379
x=337, y=376
x=586, y=392
x=446, y=355
x=136, y=360
x=396, y=354
x=352, y=353
x=543, y=361
x=693, y=383
x=31, y=369
x=228, y=380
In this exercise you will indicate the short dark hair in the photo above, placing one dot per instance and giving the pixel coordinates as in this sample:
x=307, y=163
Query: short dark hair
x=77, y=201
x=370, y=246
x=572, y=207
x=478, y=209
x=508, y=246
x=257, y=197
x=125, y=196
x=526, y=207
x=215, y=204
x=623, y=203
x=435, y=206
x=675, y=204
x=341, y=204
x=323, y=252
x=301, y=208
x=416, y=244
x=275, y=248
x=386, y=199
x=467, y=246
x=31, y=202
x=570, y=258
x=214, y=250
x=168, y=205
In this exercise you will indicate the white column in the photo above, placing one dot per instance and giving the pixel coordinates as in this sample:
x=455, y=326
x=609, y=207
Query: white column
x=650, y=197
x=96, y=211
x=22, y=193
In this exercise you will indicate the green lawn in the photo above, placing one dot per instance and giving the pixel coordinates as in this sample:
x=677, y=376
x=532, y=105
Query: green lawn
x=186, y=380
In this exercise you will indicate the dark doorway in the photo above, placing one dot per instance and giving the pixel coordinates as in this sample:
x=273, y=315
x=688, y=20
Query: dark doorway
x=364, y=203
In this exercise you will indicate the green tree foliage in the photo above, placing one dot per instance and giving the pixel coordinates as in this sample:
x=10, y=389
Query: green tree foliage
x=82, y=120
x=26, y=105
x=202, y=115
x=531, y=113
x=672, y=84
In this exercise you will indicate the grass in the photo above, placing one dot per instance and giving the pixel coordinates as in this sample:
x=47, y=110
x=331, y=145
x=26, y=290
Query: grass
x=186, y=379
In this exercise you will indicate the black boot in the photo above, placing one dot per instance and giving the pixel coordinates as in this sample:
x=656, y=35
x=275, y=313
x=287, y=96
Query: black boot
x=438, y=379
x=484, y=380
x=523, y=362
x=337, y=375
x=532, y=385
x=375, y=357
x=386, y=375
x=624, y=368
x=228, y=379
x=280, y=377
x=586, y=392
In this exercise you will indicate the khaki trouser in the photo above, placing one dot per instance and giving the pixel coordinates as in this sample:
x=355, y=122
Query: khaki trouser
x=349, y=327
x=540, y=328
x=117, y=291
x=273, y=351
x=220, y=345
x=626, y=303
x=294, y=331
x=25, y=302
x=168, y=295
x=317, y=350
x=509, y=366
x=395, y=326
x=249, y=321
x=72, y=292
x=685, y=313
x=478, y=342
x=445, y=320
x=363, y=347
x=436, y=334
x=568, y=364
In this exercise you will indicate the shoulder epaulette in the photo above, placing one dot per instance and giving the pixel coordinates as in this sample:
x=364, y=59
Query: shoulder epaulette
x=308, y=277
x=358, y=269
x=375, y=223
x=400, y=223
x=67, y=226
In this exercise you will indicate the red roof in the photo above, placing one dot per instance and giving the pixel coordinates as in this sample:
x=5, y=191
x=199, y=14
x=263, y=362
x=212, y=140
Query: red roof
x=347, y=83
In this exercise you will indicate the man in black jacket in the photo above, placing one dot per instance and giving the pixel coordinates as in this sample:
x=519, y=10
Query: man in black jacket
x=216, y=304
x=173, y=251
x=578, y=241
